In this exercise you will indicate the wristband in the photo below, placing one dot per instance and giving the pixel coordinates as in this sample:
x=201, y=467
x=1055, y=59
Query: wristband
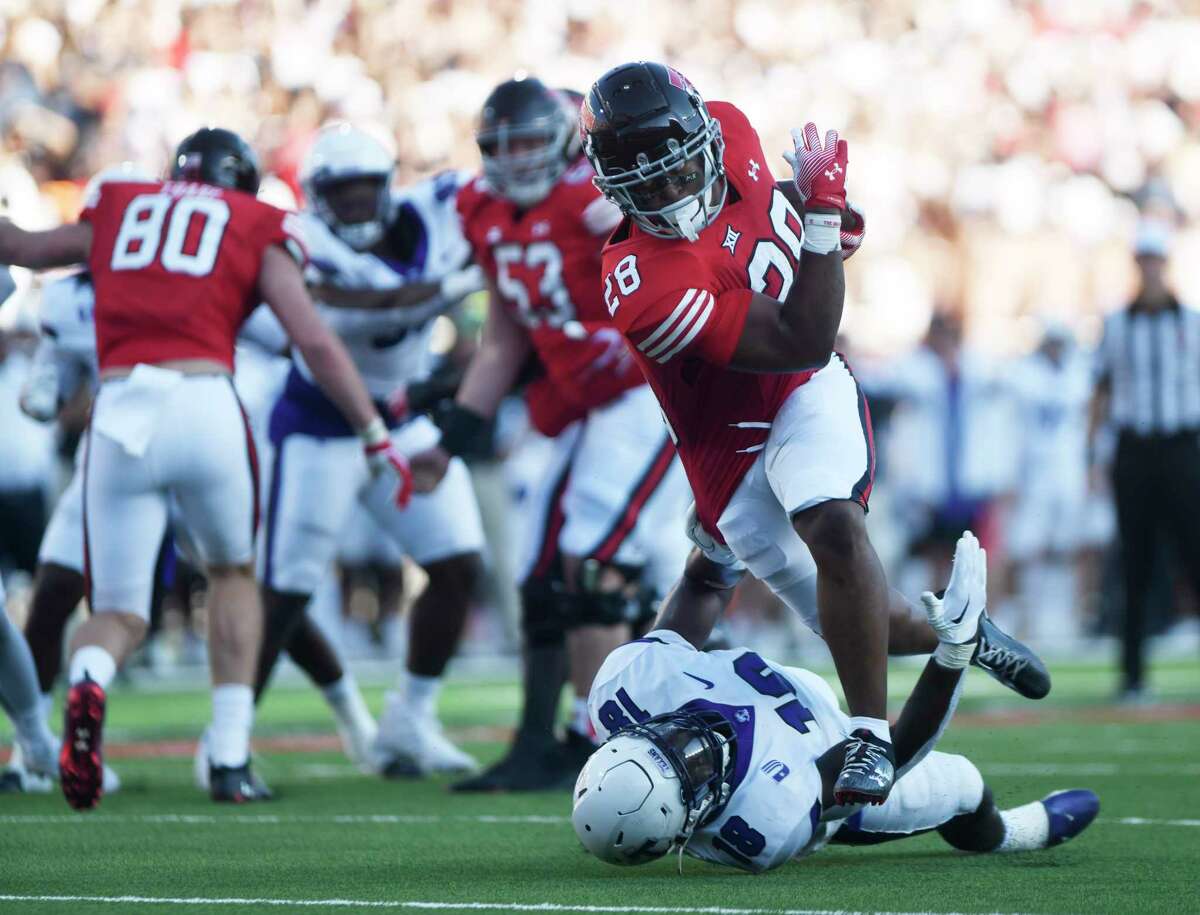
x=464, y=432
x=461, y=283
x=374, y=433
x=822, y=232
x=954, y=657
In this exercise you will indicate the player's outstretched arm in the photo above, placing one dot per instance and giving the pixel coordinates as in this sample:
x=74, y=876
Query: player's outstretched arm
x=931, y=704
x=58, y=247
x=422, y=296
x=699, y=598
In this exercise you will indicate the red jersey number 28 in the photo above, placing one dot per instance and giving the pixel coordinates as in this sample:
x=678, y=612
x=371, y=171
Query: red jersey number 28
x=193, y=227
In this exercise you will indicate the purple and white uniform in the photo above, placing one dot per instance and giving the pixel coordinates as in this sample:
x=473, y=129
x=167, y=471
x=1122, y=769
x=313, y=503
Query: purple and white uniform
x=319, y=476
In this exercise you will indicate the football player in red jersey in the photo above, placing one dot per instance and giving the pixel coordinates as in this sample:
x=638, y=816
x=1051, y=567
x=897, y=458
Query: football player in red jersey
x=178, y=266
x=775, y=435
x=536, y=225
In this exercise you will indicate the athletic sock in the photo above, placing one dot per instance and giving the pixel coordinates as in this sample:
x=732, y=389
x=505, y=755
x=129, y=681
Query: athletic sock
x=544, y=675
x=877, y=726
x=1025, y=828
x=233, y=717
x=94, y=662
x=581, y=721
x=421, y=693
x=47, y=705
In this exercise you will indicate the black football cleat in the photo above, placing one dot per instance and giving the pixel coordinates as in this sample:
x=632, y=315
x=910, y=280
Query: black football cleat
x=577, y=749
x=80, y=761
x=1010, y=662
x=868, y=772
x=236, y=785
x=531, y=765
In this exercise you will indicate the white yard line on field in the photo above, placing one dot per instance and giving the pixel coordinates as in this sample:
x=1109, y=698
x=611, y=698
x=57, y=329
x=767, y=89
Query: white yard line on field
x=378, y=819
x=267, y=819
x=439, y=906
x=1085, y=769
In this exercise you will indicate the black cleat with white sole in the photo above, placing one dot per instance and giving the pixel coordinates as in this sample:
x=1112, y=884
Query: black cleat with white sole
x=868, y=772
x=236, y=785
x=1010, y=661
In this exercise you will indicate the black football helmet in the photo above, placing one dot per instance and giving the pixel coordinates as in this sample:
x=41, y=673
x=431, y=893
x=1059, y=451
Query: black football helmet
x=658, y=153
x=527, y=138
x=214, y=155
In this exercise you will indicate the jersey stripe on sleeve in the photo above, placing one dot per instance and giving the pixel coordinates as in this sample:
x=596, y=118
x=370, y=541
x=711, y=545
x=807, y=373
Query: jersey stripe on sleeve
x=686, y=321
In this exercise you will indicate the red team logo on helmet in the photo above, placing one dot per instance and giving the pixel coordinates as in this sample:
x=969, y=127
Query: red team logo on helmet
x=678, y=80
x=587, y=118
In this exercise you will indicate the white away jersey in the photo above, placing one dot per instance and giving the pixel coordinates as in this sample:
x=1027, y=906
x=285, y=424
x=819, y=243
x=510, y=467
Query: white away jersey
x=68, y=331
x=387, y=345
x=784, y=718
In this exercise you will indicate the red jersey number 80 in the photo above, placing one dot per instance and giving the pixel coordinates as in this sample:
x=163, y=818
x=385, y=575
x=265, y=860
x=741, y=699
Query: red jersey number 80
x=142, y=230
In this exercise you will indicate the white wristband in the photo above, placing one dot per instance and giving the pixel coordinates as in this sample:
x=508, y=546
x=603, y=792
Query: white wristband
x=374, y=433
x=954, y=657
x=822, y=232
x=462, y=283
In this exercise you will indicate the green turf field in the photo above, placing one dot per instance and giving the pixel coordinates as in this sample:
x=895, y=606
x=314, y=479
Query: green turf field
x=338, y=841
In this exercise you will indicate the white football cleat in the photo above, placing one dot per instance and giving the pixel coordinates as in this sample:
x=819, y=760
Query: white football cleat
x=410, y=745
x=358, y=739
x=200, y=765
x=34, y=782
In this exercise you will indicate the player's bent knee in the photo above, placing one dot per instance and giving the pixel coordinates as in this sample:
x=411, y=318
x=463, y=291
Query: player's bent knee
x=133, y=624
x=612, y=594
x=456, y=576
x=833, y=531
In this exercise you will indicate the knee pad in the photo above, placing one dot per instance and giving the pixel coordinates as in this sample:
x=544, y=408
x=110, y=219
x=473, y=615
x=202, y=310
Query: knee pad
x=784, y=565
x=611, y=594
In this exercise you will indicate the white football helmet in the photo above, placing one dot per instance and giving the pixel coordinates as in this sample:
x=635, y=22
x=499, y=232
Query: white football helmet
x=650, y=785
x=340, y=154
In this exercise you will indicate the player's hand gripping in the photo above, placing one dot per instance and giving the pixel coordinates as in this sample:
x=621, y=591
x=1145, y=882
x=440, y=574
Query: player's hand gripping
x=383, y=457
x=819, y=171
x=955, y=616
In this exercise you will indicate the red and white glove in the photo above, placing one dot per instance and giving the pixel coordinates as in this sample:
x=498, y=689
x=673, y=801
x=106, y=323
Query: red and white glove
x=382, y=457
x=819, y=173
x=853, y=238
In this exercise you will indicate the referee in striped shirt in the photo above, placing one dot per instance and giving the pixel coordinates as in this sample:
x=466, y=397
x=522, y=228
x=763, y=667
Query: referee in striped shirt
x=1148, y=389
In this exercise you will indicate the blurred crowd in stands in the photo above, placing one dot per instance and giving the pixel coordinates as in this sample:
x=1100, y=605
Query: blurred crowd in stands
x=1004, y=154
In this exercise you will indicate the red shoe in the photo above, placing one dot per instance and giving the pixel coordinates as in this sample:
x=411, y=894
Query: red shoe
x=81, y=767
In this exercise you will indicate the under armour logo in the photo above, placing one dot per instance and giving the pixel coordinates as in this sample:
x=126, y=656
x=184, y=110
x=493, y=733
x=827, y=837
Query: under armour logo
x=830, y=172
x=494, y=235
x=752, y=171
x=731, y=240
x=542, y=227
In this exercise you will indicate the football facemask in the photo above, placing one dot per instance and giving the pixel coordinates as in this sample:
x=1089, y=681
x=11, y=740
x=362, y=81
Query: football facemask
x=346, y=178
x=692, y=172
x=644, y=792
x=522, y=162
